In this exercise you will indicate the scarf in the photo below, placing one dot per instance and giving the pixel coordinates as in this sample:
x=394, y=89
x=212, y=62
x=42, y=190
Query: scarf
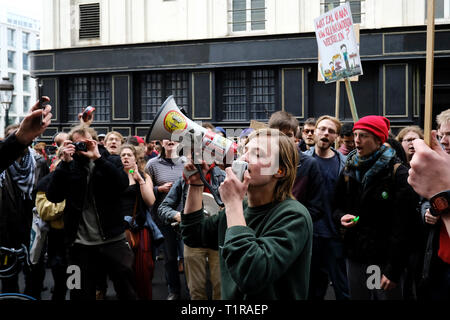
x=23, y=174
x=366, y=168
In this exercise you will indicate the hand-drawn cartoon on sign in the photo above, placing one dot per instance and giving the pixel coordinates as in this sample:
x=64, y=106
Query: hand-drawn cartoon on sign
x=338, y=50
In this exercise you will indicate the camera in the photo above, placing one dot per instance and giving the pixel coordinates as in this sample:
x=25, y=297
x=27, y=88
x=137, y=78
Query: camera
x=80, y=146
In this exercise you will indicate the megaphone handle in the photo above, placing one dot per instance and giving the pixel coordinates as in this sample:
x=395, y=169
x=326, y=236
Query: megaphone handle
x=213, y=192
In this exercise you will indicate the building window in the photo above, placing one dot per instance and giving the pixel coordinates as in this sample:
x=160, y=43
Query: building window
x=156, y=87
x=11, y=59
x=13, y=103
x=89, y=21
x=11, y=37
x=26, y=83
x=89, y=91
x=12, y=78
x=247, y=94
x=441, y=9
x=25, y=40
x=25, y=61
x=355, y=7
x=247, y=15
x=26, y=104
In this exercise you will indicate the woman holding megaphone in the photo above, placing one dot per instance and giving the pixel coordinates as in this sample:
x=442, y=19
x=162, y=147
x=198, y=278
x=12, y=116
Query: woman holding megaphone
x=264, y=241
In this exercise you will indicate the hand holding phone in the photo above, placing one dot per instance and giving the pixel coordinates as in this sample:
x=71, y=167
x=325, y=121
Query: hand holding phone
x=41, y=99
x=87, y=113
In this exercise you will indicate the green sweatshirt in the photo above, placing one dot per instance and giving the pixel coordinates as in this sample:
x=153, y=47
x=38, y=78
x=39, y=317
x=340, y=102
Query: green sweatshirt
x=269, y=259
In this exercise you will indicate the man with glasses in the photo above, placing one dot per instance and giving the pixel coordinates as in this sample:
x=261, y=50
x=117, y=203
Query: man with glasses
x=327, y=258
x=437, y=217
x=443, y=135
x=308, y=134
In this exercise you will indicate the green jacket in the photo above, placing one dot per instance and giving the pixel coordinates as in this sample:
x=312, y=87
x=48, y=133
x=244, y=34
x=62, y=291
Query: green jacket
x=269, y=259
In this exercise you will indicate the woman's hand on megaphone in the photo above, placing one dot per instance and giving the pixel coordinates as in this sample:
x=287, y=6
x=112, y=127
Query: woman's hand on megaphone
x=232, y=189
x=232, y=192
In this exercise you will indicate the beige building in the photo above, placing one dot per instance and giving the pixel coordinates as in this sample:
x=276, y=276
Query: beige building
x=231, y=61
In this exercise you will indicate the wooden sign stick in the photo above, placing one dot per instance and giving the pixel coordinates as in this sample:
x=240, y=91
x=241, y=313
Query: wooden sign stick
x=429, y=72
x=351, y=100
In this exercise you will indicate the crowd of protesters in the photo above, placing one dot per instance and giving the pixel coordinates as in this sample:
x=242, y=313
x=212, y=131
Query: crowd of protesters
x=349, y=205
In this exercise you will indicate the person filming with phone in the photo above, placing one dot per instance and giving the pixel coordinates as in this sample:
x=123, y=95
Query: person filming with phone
x=91, y=184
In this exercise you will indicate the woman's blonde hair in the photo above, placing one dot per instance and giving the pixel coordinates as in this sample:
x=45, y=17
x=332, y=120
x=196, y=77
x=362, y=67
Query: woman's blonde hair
x=287, y=158
x=407, y=129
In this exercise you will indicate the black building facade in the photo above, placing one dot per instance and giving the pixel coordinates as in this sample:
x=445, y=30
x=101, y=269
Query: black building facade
x=231, y=81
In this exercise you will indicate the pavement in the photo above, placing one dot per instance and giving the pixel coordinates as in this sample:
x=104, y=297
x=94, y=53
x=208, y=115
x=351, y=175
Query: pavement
x=160, y=291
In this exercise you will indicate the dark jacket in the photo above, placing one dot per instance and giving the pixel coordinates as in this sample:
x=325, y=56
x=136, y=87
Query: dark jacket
x=176, y=198
x=15, y=215
x=69, y=182
x=385, y=206
x=307, y=187
x=10, y=150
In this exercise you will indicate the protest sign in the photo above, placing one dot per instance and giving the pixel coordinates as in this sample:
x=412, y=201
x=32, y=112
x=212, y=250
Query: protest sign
x=338, y=49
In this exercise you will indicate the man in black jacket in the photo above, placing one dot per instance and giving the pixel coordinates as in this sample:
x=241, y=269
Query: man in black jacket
x=91, y=184
x=373, y=204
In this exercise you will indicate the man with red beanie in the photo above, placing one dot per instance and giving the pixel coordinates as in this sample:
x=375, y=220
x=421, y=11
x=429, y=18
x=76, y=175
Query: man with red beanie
x=372, y=203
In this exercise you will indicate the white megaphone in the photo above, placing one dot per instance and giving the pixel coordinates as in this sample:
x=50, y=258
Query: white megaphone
x=171, y=124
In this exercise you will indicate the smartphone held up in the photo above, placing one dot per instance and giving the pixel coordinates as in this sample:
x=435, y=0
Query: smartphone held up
x=42, y=101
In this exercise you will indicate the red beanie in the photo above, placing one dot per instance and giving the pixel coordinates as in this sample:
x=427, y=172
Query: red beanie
x=139, y=139
x=377, y=125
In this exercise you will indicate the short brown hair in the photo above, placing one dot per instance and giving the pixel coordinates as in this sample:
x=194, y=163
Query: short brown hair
x=288, y=158
x=115, y=133
x=82, y=130
x=331, y=118
x=283, y=120
x=407, y=129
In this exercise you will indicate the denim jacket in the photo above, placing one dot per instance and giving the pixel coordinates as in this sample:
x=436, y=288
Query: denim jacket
x=176, y=198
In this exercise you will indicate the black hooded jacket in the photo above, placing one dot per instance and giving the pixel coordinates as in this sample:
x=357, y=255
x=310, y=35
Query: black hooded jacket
x=69, y=182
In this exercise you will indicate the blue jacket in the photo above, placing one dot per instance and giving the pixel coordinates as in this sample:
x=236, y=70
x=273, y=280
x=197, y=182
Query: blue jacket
x=176, y=198
x=342, y=158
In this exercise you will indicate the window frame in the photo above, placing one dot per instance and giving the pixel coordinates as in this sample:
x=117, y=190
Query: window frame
x=165, y=89
x=361, y=13
x=11, y=37
x=248, y=18
x=445, y=18
x=249, y=87
x=102, y=110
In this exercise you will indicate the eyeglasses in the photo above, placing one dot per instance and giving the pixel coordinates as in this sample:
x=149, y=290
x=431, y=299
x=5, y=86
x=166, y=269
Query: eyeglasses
x=308, y=131
x=330, y=131
x=442, y=135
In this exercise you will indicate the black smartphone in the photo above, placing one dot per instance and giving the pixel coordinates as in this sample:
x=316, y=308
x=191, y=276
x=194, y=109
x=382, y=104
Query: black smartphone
x=41, y=100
